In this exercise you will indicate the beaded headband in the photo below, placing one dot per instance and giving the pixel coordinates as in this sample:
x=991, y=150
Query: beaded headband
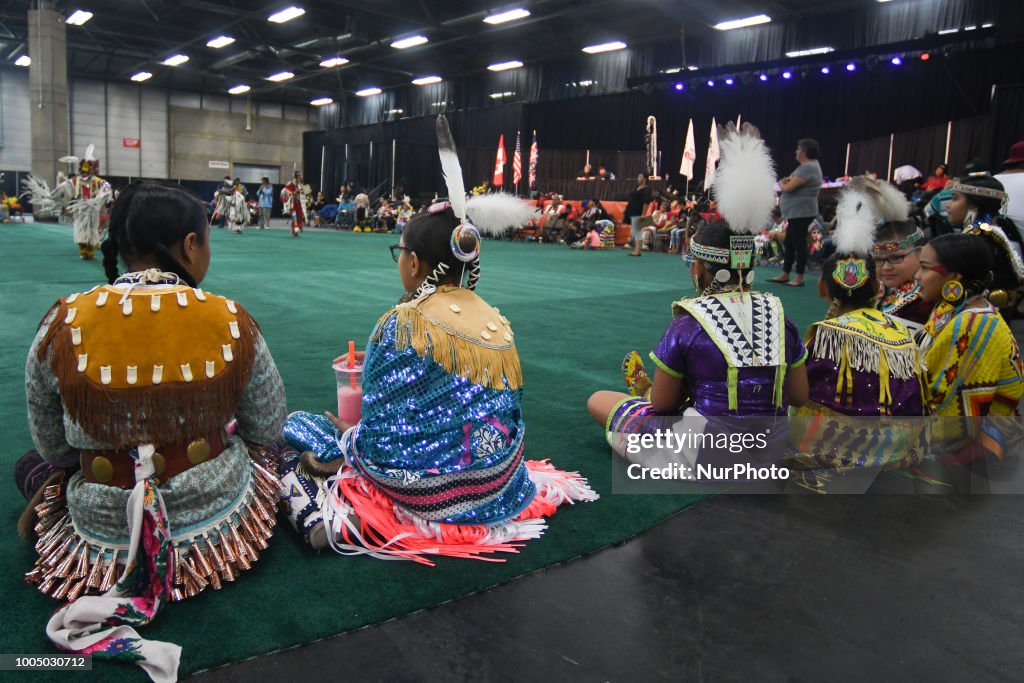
x=980, y=191
x=912, y=240
x=739, y=255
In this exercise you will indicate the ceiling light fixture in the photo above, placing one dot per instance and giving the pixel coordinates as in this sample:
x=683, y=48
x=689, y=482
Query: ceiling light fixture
x=331, y=62
x=411, y=41
x=219, y=42
x=239, y=89
x=426, y=80
x=505, y=66
x=142, y=76
x=604, y=47
x=286, y=14
x=175, y=60
x=78, y=17
x=23, y=60
x=281, y=76
x=321, y=101
x=811, y=51
x=497, y=95
x=510, y=15
x=366, y=92
x=743, y=23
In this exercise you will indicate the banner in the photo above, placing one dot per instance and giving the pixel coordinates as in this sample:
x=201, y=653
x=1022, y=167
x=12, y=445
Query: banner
x=689, y=154
x=499, y=163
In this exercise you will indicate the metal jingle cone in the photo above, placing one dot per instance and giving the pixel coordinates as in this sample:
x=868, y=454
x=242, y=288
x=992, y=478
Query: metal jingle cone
x=214, y=579
x=63, y=570
x=110, y=577
x=202, y=564
x=35, y=576
x=229, y=573
x=52, y=492
x=46, y=587
x=178, y=577
x=190, y=567
x=244, y=553
x=218, y=560
x=82, y=568
x=230, y=556
x=96, y=573
x=190, y=587
x=176, y=594
x=45, y=539
x=255, y=536
x=53, y=557
x=77, y=589
x=62, y=589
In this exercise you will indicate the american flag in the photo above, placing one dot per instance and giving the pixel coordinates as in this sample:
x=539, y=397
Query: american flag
x=517, y=163
x=534, y=156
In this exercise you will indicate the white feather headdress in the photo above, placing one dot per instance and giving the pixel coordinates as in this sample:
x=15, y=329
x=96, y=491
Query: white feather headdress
x=744, y=184
x=491, y=213
x=864, y=205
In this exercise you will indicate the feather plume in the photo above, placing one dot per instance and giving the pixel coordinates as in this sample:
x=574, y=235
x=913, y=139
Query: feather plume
x=744, y=184
x=855, y=222
x=90, y=153
x=492, y=213
x=39, y=194
x=69, y=160
x=887, y=204
x=451, y=168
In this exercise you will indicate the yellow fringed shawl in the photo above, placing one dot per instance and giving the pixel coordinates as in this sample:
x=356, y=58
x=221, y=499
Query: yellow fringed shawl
x=462, y=333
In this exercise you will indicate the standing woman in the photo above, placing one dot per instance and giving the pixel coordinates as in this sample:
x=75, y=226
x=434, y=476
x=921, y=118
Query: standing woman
x=130, y=386
x=972, y=359
x=638, y=201
x=799, y=204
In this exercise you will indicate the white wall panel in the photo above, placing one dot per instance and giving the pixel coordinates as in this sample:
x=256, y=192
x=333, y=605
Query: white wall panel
x=216, y=103
x=88, y=122
x=154, y=133
x=123, y=122
x=15, y=121
x=184, y=99
x=269, y=110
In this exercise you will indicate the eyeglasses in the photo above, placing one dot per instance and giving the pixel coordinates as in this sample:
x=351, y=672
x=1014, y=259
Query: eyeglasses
x=396, y=251
x=893, y=260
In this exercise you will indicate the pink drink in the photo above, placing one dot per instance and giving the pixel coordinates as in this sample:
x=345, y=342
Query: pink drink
x=350, y=392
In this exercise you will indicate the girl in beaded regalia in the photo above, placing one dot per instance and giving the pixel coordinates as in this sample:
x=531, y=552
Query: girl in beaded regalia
x=130, y=387
x=860, y=361
x=730, y=351
x=436, y=465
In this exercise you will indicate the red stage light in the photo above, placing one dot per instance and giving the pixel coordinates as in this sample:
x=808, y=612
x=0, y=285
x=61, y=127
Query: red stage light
x=925, y=56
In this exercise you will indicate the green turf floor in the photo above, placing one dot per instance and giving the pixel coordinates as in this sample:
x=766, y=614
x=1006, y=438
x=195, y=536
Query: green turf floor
x=575, y=314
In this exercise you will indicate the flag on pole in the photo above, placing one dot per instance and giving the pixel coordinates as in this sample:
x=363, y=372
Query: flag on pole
x=517, y=163
x=689, y=154
x=499, y=163
x=534, y=157
x=713, y=154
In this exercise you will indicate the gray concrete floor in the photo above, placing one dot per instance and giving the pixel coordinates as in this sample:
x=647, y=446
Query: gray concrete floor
x=736, y=588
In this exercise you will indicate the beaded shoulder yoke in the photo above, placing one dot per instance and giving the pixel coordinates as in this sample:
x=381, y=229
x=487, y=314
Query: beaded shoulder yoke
x=461, y=332
x=164, y=363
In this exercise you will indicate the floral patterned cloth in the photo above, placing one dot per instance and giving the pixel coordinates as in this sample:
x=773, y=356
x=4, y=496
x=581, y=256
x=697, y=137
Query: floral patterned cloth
x=104, y=626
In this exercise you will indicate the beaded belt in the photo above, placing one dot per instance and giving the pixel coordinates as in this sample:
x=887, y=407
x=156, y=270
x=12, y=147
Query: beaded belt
x=117, y=468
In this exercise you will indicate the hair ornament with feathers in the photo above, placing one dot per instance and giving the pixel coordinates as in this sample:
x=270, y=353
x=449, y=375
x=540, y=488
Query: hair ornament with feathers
x=744, y=188
x=866, y=204
x=744, y=184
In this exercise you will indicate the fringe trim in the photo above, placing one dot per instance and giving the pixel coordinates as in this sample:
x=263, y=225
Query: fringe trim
x=863, y=354
x=159, y=414
x=496, y=367
x=69, y=567
x=363, y=521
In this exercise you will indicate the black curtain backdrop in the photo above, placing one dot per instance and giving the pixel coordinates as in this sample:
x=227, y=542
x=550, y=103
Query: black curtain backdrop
x=1007, y=121
x=870, y=156
x=971, y=139
x=835, y=109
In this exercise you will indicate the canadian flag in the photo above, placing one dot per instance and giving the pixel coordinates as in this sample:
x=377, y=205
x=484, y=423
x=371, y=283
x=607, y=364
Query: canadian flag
x=689, y=154
x=499, y=163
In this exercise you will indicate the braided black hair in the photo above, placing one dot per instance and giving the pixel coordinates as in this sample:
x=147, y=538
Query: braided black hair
x=429, y=235
x=970, y=256
x=147, y=219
